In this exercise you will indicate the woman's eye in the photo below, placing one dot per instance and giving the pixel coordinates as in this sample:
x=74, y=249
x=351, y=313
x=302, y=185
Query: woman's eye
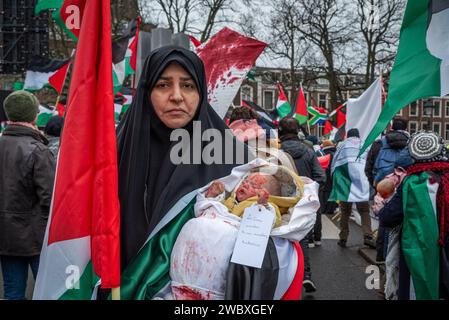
x=189, y=86
x=162, y=85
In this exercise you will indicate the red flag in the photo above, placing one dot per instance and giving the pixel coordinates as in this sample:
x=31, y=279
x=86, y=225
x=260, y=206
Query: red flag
x=85, y=200
x=227, y=58
x=301, y=113
x=195, y=42
x=341, y=119
x=133, y=46
x=327, y=128
x=61, y=109
x=58, y=78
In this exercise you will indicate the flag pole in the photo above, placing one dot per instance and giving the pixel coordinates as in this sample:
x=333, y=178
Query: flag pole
x=115, y=293
x=65, y=78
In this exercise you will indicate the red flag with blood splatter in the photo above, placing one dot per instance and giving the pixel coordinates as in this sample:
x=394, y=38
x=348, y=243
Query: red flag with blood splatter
x=227, y=57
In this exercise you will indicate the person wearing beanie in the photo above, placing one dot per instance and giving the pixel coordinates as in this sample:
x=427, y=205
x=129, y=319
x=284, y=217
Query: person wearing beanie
x=350, y=186
x=418, y=215
x=27, y=169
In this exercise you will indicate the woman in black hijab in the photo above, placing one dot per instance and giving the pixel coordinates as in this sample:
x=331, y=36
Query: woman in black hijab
x=150, y=184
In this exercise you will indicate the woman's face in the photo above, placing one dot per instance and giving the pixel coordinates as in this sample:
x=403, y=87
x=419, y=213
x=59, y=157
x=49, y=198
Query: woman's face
x=175, y=97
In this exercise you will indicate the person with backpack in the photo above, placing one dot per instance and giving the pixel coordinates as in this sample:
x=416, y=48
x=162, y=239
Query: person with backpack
x=385, y=155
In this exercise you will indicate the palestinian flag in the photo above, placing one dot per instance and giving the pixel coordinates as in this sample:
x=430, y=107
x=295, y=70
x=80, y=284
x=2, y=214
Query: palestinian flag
x=46, y=5
x=319, y=115
x=350, y=183
x=260, y=111
x=124, y=54
x=122, y=101
x=69, y=17
x=363, y=112
x=420, y=233
x=327, y=130
x=301, y=108
x=341, y=119
x=81, y=245
x=45, y=113
x=43, y=72
x=283, y=106
x=340, y=135
x=421, y=68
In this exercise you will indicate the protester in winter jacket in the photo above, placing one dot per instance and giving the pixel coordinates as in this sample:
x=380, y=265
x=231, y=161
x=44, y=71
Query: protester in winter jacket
x=27, y=169
x=421, y=208
x=307, y=165
x=53, y=131
x=385, y=155
x=305, y=159
x=396, y=139
x=327, y=207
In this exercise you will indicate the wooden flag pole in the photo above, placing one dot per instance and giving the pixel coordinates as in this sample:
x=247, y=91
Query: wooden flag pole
x=115, y=294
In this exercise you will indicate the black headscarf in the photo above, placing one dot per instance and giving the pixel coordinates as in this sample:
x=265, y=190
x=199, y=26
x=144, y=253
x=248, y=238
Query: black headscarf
x=149, y=183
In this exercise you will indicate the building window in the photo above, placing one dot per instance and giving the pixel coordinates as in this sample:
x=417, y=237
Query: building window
x=446, y=133
x=412, y=126
x=425, y=125
x=268, y=97
x=447, y=108
x=437, y=109
x=436, y=127
x=246, y=93
x=413, y=109
x=322, y=101
x=399, y=113
x=426, y=112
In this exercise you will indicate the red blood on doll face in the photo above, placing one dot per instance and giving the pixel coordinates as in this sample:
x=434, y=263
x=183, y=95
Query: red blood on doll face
x=250, y=186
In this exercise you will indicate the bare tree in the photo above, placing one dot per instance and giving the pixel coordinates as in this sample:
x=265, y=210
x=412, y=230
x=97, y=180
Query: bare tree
x=123, y=11
x=198, y=17
x=325, y=25
x=378, y=22
x=285, y=39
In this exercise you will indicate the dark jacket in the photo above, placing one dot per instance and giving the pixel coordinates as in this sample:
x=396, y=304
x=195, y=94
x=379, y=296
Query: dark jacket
x=328, y=185
x=306, y=161
x=397, y=139
x=27, y=169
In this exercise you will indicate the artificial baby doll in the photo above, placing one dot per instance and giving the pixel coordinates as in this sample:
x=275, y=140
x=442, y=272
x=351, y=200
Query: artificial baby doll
x=202, y=252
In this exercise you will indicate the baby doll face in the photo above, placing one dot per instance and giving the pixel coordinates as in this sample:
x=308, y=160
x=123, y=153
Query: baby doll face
x=385, y=188
x=258, y=183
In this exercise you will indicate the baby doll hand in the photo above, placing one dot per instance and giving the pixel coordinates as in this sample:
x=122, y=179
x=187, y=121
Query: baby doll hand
x=262, y=196
x=215, y=189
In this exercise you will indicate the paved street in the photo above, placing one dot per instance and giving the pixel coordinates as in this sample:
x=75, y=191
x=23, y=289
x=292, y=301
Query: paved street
x=339, y=273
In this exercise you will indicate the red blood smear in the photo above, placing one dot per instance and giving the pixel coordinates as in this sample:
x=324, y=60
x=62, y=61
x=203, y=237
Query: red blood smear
x=228, y=49
x=186, y=293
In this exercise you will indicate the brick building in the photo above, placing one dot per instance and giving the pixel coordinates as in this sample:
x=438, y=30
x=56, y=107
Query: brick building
x=429, y=114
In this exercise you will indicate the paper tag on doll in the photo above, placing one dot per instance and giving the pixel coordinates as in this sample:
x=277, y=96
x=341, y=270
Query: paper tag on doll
x=252, y=239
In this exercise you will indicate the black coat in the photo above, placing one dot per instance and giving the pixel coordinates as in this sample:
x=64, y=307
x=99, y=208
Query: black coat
x=306, y=161
x=27, y=169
